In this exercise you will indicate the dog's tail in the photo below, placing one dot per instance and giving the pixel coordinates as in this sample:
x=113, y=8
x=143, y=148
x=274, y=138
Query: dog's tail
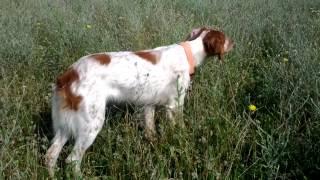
x=63, y=87
x=65, y=104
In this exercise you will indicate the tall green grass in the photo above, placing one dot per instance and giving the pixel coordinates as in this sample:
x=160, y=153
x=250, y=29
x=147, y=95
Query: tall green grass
x=275, y=66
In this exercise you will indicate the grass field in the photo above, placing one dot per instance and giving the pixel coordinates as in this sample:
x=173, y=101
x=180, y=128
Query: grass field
x=275, y=66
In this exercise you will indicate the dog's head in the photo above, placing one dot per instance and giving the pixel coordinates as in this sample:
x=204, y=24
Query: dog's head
x=215, y=42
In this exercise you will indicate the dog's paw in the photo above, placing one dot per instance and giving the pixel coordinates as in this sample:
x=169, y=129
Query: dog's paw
x=150, y=135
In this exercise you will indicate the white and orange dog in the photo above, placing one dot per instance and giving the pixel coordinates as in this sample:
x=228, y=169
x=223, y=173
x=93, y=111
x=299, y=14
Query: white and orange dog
x=147, y=78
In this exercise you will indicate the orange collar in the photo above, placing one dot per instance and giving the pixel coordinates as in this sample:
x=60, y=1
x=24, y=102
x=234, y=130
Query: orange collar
x=187, y=50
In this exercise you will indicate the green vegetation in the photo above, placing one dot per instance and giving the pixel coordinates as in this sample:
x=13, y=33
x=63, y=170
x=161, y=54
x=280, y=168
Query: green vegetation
x=274, y=66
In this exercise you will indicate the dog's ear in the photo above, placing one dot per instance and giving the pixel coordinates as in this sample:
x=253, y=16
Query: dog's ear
x=216, y=43
x=195, y=33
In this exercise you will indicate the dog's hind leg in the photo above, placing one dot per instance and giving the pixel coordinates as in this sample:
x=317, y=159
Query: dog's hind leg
x=53, y=152
x=150, y=130
x=82, y=143
x=91, y=124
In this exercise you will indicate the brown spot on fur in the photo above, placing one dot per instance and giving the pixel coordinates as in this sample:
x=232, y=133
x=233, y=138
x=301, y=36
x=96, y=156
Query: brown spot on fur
x=103, y=59
x=214, y=43
x=149, y=56
x=63, y=84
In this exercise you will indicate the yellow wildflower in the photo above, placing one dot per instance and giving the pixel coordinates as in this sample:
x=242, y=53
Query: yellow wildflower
x=285, y=60
x=88, y=26
x=252, y=107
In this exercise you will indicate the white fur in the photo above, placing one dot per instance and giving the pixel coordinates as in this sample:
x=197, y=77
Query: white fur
x=127, y=78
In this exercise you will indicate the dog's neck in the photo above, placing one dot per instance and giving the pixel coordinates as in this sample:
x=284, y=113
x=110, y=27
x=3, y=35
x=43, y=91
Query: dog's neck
x=197, y=49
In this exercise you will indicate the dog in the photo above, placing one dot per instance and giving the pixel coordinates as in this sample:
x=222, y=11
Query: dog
x=148, y=78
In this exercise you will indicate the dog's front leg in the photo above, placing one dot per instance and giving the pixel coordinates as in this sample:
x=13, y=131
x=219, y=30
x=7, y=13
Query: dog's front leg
x=150, y=130
x=174, y=108
x=176, y=101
